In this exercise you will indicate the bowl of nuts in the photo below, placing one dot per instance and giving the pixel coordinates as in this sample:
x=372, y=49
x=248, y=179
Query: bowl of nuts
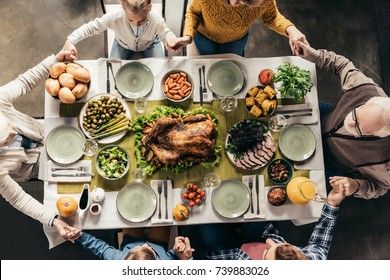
x=280, y=171
x=176, y=85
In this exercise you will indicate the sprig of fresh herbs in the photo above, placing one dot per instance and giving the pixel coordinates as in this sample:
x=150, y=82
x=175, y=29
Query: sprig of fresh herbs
x=296, y=82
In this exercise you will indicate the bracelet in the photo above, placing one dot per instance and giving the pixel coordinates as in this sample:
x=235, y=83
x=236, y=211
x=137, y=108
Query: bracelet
x=357, y=187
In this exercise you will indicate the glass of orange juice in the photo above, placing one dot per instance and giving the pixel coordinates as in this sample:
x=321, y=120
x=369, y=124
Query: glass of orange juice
x=309, y=191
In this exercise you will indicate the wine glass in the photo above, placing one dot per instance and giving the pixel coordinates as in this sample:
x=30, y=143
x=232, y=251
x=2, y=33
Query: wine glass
x=229, y=103
x=277, y=122
x=138, y=174
x=90, y=147
x=140, y=104
x=212, y=180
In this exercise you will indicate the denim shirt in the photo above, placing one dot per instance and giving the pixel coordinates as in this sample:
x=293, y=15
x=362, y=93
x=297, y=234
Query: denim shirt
x=107, y=252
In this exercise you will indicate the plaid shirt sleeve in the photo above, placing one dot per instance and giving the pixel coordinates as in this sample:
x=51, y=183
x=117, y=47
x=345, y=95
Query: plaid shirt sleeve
x=229, y=254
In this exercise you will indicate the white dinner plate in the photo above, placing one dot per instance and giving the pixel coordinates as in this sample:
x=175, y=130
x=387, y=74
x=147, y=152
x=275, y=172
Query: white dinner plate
x=136, y=202
x=109, y=139
x=64, y=144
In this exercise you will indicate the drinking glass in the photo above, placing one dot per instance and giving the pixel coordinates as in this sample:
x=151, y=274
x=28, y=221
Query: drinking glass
x=276, y=123
x=138, y=174
x=212, y=180
x=140, y=104
x=90, y=147
x=229, y=103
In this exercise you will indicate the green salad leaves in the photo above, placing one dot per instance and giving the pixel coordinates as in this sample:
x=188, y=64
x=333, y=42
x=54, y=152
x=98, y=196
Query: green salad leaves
x=139, y=124
x=112, y=162
x=296, y=82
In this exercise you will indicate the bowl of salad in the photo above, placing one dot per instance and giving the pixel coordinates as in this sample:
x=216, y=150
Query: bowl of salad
x=112, y=162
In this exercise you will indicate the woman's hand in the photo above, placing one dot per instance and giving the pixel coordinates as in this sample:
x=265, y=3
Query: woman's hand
x=294, y=36
x=66, y=231
x=65, y=56
x=179, y=43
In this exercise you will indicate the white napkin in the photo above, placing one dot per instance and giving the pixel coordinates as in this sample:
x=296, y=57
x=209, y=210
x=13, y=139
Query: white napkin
x=261, y=194
x=303, y=119
x=86, y=163
x=162, y=220
x=102, y=73
x=207, y=97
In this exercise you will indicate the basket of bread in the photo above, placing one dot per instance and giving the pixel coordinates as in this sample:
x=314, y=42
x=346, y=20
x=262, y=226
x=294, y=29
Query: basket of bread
x=261, y=101
x=68, y=81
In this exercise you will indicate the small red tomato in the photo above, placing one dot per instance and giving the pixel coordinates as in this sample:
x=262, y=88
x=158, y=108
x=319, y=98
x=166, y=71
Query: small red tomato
x=198, y=201
x=199, y=190
x=194, y=187
x=192, y=204
x=202, y=194
x=185, y=195
x=198, y=196
x=191, y=195
x=266, y=77
x=189, y=186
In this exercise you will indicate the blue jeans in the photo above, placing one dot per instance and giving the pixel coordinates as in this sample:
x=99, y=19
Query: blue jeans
x=206, y=46
x=155, y=50
x=218, y=237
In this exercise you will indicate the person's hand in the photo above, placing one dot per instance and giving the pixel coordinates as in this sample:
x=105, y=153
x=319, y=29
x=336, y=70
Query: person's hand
x=336, y=195
x=182, y=248
x=307, y=52
x=295, y=36
x=170, y=43
x=65, y=56
x=68, y=46
x=66, y=231
x=179, y=43
x=348, y=185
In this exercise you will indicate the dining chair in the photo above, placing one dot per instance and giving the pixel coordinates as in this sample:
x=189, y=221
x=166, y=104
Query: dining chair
x=109, y=35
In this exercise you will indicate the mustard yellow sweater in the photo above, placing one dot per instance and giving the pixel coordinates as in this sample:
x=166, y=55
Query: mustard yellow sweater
x=222, y=23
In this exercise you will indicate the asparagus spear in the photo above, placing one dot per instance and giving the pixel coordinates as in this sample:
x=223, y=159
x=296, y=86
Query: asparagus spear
x=111, y=122
x=113, y=127
x=124, y=127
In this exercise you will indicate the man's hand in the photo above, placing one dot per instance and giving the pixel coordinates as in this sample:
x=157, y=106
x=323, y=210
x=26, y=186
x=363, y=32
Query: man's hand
x=307, y=52
x=182, y=248
x=66, y=231
x=68, y=46
x=348, y=185
x=65, y=56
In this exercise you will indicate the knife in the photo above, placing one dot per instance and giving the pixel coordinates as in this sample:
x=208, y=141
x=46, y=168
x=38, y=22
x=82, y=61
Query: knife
x=112, y=73
x=108, y=77
x=166, y=196
x=79, y=174
x=257, y=194
x=293, y=111
x=200, y=86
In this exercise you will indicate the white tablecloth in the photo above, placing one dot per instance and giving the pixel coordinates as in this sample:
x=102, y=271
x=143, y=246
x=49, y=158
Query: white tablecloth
x=110, y=218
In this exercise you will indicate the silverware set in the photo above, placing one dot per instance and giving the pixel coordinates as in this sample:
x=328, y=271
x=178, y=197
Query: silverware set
x=160, y=191
x=80, y=172
x=202, y=86
x=250, y=186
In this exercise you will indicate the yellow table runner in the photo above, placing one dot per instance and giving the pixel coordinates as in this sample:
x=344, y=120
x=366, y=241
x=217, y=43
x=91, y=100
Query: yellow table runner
x=225, y=168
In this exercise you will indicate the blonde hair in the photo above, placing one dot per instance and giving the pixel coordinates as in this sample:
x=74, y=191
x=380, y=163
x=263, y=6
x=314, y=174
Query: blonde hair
x=141, y=254
x=136, y=6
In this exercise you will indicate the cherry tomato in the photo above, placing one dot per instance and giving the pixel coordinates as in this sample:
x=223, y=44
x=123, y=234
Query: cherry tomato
x=192, y=204
x=202, y=194
x=199, y=190
x=198, y=201
x=195, y=187
x=185, y=195
x=191, y=195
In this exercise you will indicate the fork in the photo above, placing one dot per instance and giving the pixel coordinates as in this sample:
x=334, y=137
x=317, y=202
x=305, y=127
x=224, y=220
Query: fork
x=250, y=189
x=112, y=73
x=80, y=168
x=159, y=189
x=299, y=115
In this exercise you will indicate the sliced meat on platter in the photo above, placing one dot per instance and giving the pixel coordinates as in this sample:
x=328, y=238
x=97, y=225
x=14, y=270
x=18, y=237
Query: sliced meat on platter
x=259, y=148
